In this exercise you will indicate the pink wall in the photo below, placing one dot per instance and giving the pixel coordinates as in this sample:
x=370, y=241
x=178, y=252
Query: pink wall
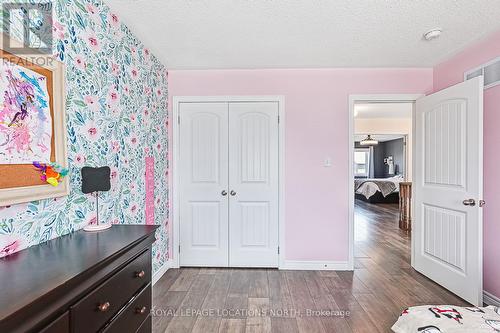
x=316, y=109
x=449, y=73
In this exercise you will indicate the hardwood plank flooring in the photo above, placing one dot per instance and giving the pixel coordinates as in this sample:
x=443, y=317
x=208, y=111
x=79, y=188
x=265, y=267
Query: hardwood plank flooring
x=369, y=299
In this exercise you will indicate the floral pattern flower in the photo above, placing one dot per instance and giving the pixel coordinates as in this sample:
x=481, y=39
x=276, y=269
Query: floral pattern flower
x=116, y=107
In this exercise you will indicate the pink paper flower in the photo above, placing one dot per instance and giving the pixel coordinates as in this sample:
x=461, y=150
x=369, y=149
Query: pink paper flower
x=114, y=176
x=113, y=97
x=91, y=131
x=134, y=73
x=134, y=141
x=113, y=20
x=92, y=102
x=80, y=62
x=9, y=245
x=92, y=219
x=58, y=30
x=115, y=69
x=133, y=209
x=79, y=160
x=93, y=42
x=115, y=146
x=91, y=9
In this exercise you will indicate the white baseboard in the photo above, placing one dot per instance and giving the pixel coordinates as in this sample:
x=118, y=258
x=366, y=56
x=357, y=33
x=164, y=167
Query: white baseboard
x=157, y=276
x=490, y=299
x=316, y=265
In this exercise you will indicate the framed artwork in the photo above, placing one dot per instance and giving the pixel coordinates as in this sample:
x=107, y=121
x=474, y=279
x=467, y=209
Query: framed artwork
x=32, y=128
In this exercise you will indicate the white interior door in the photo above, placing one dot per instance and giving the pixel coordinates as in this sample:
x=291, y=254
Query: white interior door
x=203, y=194
x=253, y=184
x=448, y=187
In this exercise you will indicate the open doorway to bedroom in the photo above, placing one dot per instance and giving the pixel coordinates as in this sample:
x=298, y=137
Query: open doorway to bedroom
x=382, y=165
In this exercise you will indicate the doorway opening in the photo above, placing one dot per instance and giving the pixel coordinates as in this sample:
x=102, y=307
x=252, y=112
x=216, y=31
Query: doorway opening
x=381, y=158
x=382, y=162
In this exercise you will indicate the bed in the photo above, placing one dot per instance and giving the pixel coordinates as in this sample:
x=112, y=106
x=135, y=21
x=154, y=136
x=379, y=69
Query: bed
x=378, y=190
x=448, y=319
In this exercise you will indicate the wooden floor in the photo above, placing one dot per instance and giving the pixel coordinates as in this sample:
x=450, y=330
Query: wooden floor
x=266, y=300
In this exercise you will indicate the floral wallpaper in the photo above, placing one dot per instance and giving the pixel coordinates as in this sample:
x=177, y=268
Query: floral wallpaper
x=116, y=108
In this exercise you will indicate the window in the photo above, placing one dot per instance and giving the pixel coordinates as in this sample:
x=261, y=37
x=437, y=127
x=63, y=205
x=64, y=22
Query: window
x=362, y=162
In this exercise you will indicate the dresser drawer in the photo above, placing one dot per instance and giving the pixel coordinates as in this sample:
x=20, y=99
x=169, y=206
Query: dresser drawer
x=147, y=326
x=60, y=325
x=98, y=307
x=131, y=318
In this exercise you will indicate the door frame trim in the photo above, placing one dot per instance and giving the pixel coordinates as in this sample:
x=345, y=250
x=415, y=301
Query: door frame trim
x=376, y=98
x=174, y=211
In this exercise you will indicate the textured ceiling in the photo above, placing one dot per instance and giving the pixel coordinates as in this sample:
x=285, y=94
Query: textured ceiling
x=212, y=34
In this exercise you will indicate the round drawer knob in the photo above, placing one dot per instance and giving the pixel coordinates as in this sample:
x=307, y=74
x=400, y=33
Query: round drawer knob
x=141, y=310
x=104, y=307
x=140, y=274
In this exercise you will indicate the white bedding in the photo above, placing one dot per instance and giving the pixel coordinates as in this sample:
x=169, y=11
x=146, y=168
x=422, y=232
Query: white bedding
x=369, y=188
x=448, y=319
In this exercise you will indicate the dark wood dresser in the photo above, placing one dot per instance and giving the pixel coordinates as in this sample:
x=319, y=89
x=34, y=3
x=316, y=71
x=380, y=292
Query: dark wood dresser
x=80, y=283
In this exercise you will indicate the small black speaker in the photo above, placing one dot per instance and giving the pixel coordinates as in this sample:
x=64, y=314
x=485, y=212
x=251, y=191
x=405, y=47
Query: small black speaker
x=96, y=179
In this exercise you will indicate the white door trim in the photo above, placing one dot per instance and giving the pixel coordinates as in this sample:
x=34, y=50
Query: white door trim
x=377, y=98
x=174, y=211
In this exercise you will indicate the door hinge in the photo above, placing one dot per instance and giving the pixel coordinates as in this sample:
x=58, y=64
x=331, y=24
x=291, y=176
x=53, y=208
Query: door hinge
x=179, y=119
x=278, y=250
x=278, y=119
x=179, y=249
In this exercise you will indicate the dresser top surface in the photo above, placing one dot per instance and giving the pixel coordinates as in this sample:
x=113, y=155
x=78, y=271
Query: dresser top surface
x=29, y=274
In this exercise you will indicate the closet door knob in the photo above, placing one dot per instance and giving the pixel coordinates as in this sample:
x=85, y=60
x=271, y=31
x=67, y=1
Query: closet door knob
x=233, y=193
x=224, y=193
x=469, y=202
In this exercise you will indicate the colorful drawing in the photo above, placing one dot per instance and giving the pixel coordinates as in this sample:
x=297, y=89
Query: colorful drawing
x=25, y=119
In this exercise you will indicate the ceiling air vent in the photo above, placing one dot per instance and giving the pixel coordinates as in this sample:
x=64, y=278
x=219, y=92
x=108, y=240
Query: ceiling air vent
x=490, y=71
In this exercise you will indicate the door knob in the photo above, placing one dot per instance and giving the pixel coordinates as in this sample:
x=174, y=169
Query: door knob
x=469, y=202
x=233, y=193
x=224, y=193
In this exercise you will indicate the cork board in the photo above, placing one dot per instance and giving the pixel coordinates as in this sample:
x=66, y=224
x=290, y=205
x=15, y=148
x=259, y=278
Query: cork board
x=25, y=175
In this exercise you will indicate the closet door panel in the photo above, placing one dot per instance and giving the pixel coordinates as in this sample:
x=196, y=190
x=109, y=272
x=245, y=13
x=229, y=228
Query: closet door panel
x=204, y=184
x=253, y=184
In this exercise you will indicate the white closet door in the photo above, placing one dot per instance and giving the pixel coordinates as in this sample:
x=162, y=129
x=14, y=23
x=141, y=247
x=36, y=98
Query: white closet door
x=253, y=184
x=204, y=184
